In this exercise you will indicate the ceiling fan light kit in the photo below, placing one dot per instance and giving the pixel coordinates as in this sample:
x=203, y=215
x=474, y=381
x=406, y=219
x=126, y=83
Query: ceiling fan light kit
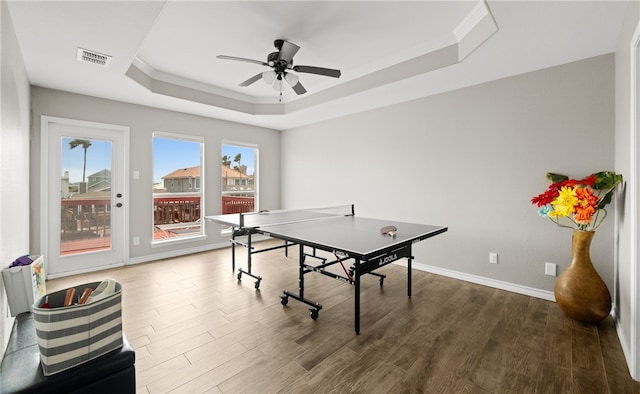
x=292, y=79
x=278, y=85
x=281, y=63
x=269, y=76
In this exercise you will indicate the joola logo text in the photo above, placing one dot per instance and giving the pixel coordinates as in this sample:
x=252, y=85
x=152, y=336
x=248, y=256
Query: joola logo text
x=387, y=259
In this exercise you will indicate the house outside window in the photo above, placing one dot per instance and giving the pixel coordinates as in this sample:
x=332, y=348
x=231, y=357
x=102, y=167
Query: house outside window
x=178, y=207
x=239, y=177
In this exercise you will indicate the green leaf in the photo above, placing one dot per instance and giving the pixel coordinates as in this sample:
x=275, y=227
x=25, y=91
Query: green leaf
x=607, y=180
x=553, y=177
x=606, y=199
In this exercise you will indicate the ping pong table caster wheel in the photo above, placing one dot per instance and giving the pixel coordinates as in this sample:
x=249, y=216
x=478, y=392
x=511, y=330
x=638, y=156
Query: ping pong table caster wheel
x=284, y=300
x=239, y=275
x=381, y=282
x=257, y=285
x=314, y=314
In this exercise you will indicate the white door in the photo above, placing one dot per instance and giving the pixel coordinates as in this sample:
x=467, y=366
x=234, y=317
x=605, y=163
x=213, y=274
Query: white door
x=85, y=203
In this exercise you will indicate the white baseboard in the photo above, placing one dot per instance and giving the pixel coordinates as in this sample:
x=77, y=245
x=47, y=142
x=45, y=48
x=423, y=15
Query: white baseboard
x=624, y=341
x=154, y=257
x=176, y=253
x=480, y=280
x=83, y=271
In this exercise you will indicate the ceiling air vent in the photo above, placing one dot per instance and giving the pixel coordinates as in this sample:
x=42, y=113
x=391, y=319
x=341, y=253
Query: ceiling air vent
x=87, y=56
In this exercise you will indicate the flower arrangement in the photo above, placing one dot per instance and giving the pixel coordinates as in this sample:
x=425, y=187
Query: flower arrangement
x=578, y=203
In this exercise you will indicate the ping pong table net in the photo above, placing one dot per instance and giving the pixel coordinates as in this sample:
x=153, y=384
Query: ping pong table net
x=278, y=217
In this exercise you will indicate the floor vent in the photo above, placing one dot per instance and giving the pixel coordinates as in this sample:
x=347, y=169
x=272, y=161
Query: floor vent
x=87, y=56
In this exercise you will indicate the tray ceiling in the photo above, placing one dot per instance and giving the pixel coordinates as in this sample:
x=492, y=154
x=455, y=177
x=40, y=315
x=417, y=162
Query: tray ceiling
x=163, y=53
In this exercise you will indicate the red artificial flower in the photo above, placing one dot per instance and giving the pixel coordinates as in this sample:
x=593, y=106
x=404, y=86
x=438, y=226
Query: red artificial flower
x=590, y=180
x=568, y=183
x=546, y=197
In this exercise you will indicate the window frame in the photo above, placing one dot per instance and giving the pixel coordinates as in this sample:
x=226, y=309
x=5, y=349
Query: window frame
x=231, y=182
x=200, y=192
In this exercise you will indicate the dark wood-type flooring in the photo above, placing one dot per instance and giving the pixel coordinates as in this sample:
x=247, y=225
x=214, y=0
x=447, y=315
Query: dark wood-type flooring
x=197, y=329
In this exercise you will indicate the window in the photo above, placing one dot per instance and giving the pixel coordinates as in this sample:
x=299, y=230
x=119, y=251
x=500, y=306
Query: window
x=178, y=207
x=239, y=177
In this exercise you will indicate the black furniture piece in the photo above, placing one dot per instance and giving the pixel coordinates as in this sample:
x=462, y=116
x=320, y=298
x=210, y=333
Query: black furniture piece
x=20, y=371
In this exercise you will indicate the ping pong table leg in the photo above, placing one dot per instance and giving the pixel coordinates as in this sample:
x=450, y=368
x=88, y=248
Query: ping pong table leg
x=315, y=307
x=301, y=258
x=357, y=297
x=249, y=253
x=409, y=275
x=233, y=250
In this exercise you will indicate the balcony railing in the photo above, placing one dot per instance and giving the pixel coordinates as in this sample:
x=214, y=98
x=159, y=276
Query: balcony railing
x=86, y=222
x=179, y=215
x=176, y=215
x=180, y=209
x=233, y=204
x=176, y=209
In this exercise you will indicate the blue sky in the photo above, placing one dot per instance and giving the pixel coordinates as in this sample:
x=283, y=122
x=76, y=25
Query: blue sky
x=168, y=155
x=98, y=158
x=248, y=156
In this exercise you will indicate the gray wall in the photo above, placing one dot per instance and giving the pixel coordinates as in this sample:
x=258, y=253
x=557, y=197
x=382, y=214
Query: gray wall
x=625, y=291
x=471, y=160
x=14, y=159
x=143, y=121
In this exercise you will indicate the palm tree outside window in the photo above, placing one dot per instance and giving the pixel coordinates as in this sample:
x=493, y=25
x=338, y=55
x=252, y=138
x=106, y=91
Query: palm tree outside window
x=85, y=145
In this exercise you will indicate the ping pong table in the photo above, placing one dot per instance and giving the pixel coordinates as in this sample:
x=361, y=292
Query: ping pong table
x=370, y=243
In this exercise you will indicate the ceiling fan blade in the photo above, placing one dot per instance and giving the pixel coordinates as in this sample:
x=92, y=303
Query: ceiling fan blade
x=328, y=72
x=299, y=89
x=241, y=59
x=251, y=80
x=287, y=51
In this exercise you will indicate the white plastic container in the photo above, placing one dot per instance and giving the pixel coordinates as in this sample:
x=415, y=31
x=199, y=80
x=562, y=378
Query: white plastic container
x=24, y=285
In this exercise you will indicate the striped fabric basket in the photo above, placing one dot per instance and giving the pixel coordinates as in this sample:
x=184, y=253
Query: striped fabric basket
x=70, y=336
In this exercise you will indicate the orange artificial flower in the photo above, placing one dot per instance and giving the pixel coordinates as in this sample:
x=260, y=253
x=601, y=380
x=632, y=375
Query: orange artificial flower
x=586, y=205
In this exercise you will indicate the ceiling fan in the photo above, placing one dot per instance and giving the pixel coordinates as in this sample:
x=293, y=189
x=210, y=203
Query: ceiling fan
x=281, y=63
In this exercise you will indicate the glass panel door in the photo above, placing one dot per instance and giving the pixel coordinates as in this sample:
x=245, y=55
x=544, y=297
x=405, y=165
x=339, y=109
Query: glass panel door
x=84, y=228
x=85, y=198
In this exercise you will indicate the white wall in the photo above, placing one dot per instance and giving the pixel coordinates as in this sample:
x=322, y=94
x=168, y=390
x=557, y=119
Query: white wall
x=626, y=245
x=143, y=121
x=471, y=160
x=14, y=159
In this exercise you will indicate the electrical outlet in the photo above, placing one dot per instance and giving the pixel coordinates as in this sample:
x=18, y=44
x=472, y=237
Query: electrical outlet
x=493, y=257
x=550, y=269
x=136, y=241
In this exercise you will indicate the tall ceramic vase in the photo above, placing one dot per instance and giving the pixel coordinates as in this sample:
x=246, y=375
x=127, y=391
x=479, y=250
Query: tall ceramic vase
x=580, y=292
